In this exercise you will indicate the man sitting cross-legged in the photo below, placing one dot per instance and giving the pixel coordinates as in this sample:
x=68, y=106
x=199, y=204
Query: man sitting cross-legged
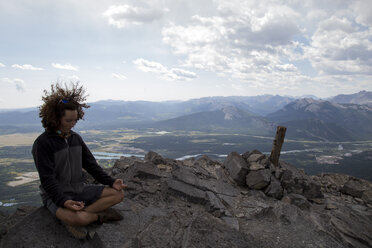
x=60, y=154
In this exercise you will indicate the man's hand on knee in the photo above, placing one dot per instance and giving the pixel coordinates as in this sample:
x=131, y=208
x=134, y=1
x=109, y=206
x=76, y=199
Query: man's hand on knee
x=74, y=205
x=119, y=185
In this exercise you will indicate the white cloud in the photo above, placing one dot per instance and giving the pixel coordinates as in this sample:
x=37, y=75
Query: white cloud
x=363, y=11
x=121, y=16
x=65, y=67
x=173, y=74
x=2, y=65
x=242, y=42
x=27, y=67
x=265, y=43
x=339, y=47
x=180, y=73
x=118, y=76
x=150, y=66
x=18, y=83
x=68, y=78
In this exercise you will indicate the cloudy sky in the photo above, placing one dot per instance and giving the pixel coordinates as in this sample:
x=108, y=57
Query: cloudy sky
x=180, y=49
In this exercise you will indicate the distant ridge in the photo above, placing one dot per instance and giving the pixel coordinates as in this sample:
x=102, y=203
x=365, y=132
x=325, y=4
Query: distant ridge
x=362, y=97
x=227, y=119
x=343, y=121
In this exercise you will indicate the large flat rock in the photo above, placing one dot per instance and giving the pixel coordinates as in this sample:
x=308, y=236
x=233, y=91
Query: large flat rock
x=40, y=229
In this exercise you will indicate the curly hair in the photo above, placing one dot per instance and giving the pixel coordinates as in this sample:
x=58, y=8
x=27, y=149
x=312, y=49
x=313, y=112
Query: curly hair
x=58, y=100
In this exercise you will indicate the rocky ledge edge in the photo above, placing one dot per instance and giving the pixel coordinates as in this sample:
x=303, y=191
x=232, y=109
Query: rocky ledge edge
x=245, y=201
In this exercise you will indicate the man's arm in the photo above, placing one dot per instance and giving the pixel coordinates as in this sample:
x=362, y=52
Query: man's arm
x=91, y=166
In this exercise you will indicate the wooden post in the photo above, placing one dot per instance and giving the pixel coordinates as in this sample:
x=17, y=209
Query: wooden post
x=277, y=145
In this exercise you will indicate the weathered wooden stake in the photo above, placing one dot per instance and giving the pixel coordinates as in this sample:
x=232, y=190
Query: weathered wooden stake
x=277, y=145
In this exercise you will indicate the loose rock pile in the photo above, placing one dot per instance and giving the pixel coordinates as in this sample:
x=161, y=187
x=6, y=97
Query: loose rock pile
x=244, y=202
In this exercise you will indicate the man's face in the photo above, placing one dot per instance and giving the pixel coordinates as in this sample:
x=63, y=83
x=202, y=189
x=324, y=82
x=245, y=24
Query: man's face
x=68, y=121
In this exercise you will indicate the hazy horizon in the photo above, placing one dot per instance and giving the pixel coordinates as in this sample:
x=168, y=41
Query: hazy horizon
x=175, y=100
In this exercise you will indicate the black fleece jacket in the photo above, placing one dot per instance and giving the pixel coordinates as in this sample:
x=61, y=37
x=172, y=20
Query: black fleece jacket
x=60, y=161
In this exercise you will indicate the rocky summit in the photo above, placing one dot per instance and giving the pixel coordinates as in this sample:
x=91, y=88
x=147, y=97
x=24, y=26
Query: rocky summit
x=244, y=202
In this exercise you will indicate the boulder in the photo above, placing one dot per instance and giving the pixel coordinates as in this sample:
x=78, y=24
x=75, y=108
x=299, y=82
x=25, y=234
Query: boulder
x=312, y=190
x=192, y=194
x=278, y=172
x=255, y=157
x=255, y=166
x=190, y=176
x=247, y=154
x=237, y=168
x=299, y=201
x=258, y=179
x=155, y=158
x=295, y=181
x=274, y=189
x=354, y=187
x=215, y=205
x=125, y=162
x=145, y=170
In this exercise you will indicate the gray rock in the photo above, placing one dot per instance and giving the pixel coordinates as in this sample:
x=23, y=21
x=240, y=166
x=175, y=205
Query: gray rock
x=367, y=196
x=205, y=161
x=189, y=176
x=249, y=153
x=232, y=222
x=354, y=187
x=255, y=166
x=146, y=170
x=258, y=179
x=125, y=162
x=312, y=190
x=155, y=158
x=237, y=168
x=215, y=205
x=150, y=187
x=351, y=225
x=274, y=189
x=278, y=172
x=287, y=179
x=295, y=181
x=254, y=208
x=255, y=157
x=43, y=230
x=192, y=194
x=299, y=201
x=230, y=201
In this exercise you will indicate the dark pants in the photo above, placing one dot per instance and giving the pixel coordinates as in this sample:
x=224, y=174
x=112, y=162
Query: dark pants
x=90, y=194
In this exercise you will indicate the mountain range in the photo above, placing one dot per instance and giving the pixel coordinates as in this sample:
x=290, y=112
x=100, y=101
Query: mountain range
x=362, y=97
x=324, y=119
x=341, y=118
